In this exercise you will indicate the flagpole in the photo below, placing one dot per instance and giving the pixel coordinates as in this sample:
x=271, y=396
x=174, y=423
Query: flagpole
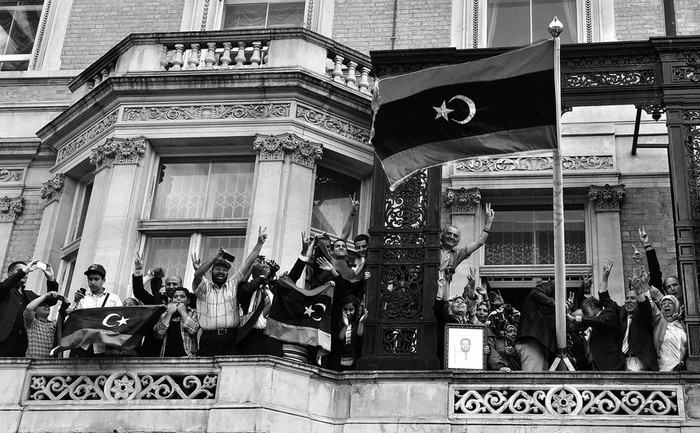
x=555, y=29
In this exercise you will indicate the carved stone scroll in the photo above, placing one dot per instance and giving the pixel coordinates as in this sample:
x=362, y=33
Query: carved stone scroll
x=332, y=123
x=206, y=112
x=533, y=163
x=86, y=137
x=462, y=200
x=275, y=147
x=11, y=208
x=11, y=174
x=52, y=188
x=607, y=198
x=119, y=151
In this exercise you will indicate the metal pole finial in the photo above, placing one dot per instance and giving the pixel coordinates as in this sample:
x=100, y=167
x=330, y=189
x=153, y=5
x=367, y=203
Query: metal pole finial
x=555, y=27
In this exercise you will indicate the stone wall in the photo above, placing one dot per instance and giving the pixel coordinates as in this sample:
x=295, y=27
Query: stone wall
x=25, y=230
x=367, y=26
x=639, y=19
x=687, y=17
x=650, y=207
x=95, y=26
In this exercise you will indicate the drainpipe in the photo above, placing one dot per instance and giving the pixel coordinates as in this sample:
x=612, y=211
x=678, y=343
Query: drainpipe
x=393, y=30
x=670, y=17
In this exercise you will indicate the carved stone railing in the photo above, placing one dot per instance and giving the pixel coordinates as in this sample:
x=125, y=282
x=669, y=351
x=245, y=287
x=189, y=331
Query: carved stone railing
x=230, y=51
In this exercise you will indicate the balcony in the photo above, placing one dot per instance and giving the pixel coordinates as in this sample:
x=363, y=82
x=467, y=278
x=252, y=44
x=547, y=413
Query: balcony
x=268, y=394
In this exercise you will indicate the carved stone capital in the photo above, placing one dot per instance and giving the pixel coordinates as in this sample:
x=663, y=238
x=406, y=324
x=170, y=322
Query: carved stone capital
x=119, y=151
x=607, y=198
x=462, y=200
x=275, y=147
x=11, y=208
x=52, y=188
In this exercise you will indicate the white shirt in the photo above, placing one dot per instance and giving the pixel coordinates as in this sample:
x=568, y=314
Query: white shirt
x=95, y=301
x=673, y=347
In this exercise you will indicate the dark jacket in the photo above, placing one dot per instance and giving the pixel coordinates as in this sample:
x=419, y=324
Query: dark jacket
x=537, y=316
x=13, y=302
x=498, y=358
x=641, y=333
x=604, y=342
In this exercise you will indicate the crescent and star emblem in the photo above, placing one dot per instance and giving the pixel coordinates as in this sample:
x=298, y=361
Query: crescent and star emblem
x=311, y=310
x=119, y=322
x=443, y=111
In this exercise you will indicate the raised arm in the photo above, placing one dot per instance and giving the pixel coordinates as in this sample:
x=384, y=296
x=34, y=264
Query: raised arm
x=347, y=228
x=469, y=249
x=262, y=237
x=11, y=282
x=202, y=270
x=137, y=283
x=652, y=261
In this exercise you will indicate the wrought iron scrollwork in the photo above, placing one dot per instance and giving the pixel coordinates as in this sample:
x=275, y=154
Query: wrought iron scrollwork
x=406, y=206
x=692, y=144
x=400, y=341
x=401, y=292
x=403, y=254
x=404, y=239
x=622, y=78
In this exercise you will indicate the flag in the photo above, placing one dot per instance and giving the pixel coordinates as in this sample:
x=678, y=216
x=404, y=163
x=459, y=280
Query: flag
x=116, y=327
x=498, y=105
x=301, y=316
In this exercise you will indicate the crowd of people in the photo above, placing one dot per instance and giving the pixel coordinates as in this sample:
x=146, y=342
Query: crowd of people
x=647, y=333
x=226, y=312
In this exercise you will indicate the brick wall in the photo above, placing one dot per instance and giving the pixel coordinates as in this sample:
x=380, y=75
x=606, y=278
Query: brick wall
x=367, y=26
x=12, y=93
x=25, y=230
x=687, y=17
x=652, y=208
x=639, y=19
x=95, y=26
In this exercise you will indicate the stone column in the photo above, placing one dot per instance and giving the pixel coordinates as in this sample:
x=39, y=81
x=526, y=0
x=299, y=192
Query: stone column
x=607, y=200
x=283, y=193
x=110, y=234
x=463, y=204
x=10, y=210
x=57, y=194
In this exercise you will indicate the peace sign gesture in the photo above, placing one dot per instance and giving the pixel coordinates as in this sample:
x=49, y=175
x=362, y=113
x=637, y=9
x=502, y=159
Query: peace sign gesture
x=262, y=235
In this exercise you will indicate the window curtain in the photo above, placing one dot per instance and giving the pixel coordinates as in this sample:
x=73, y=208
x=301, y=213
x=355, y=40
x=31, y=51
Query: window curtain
x=286, y=15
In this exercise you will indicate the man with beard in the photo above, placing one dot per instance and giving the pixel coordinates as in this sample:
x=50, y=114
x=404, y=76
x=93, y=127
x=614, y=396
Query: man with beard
x=217, y=303
x=14, y=298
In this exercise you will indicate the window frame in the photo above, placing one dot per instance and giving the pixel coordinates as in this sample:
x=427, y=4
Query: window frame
x=267, y=12
x=32, y=58
x=595, y=22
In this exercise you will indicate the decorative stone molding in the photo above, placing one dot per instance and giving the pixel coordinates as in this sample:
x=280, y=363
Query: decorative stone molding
x=87, y=136
x=333, y=124
x=11, y=208
x=534, y=163
x=52, y=188
x=607, y=198
x=612, y=402
x=462, y=200
x=275, y=147
x=11, y=174
x=119, y=151
x=122, y=387
x=206, y=112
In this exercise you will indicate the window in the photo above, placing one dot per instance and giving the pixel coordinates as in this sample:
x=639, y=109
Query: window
x=512, y=23
x=83, y=195
x=280, y=13
x=524, y=236
x=197, y=206
x=19, y=20
x=331, y=206
x=71, y=246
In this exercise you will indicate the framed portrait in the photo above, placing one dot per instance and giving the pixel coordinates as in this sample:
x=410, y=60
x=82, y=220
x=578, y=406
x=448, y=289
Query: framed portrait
x=464, y=347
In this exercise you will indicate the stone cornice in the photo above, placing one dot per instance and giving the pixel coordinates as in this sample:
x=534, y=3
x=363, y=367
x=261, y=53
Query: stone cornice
x=333, y=123
x=607, y=198
x=275, y=147
x=462, y=200
x=119, y=151
x=86, y=137
x=52, y=188
x=11, y=208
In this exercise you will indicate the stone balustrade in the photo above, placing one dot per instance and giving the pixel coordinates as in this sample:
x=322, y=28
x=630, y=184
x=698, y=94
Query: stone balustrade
x=268, y=394
x=230, y=51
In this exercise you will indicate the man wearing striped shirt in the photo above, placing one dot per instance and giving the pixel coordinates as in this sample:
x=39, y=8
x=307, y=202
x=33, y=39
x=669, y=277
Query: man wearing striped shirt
x=217, y=303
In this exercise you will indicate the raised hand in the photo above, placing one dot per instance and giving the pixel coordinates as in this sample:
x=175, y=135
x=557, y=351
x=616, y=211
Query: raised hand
x=196, y=261
x=324, y=264
x=49, y=273
x=346, y=321
x=138, y=263
x=490, y=214
x=354, y=202
x=607, y=267
x=363, y=317
x=636, y=255
x=262, y=235
x=644, y=237
x=368, y=275
x=569, y=302
x=31, y=267
x=304, y=243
